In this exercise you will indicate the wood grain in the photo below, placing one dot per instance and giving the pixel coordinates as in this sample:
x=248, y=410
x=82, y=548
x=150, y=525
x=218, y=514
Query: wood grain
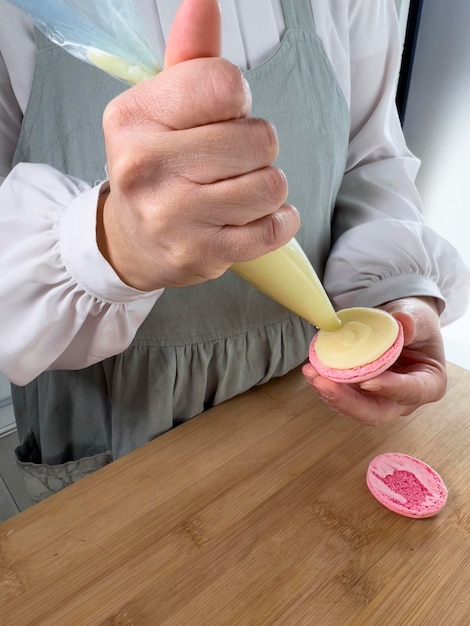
x=254, y=513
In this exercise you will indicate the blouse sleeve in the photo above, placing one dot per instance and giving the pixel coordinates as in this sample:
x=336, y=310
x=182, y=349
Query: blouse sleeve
x=66, y=308
x=382, y=250
x=62, y=305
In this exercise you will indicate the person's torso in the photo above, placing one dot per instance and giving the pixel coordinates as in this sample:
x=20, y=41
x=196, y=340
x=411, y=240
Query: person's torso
x=295, y=89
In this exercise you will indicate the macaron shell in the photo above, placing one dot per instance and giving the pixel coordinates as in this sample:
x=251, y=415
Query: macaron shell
x=362, y=372
x=406, y=485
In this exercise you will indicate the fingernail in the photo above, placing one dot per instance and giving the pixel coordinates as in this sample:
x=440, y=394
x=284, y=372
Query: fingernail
x=370, y=387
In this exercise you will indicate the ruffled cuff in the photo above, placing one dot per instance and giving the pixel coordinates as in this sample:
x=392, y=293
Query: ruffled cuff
x=82, y=257
x=62, y=304
x=386, y=260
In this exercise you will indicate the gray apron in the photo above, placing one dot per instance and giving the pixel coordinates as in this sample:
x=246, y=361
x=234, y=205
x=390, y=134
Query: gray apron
x=200, y=345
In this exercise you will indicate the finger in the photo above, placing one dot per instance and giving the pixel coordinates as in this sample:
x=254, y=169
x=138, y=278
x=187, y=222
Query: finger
x=199, y=92
x=348, y=400
x=409, y=327
x=195, y=33
x=383, y=398
x=233, y=202
x=405, y=313
x=423, y=384
x=206, y=158
x=211, y=257
x=244, y=199
x=245, y=243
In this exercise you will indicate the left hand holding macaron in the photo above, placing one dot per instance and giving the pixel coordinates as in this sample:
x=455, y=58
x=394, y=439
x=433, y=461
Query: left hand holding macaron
x=416, y=378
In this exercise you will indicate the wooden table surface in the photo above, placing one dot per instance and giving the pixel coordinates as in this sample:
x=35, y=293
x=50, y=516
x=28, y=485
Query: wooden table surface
x=255, y=513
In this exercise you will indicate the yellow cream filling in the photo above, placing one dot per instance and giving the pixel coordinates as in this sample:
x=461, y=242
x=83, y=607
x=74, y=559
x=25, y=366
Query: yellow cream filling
x=365, y=335
x=287, y=276
x=131, y=73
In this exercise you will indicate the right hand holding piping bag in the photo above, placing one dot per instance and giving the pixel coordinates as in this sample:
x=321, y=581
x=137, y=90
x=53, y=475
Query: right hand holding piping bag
x=193, y=188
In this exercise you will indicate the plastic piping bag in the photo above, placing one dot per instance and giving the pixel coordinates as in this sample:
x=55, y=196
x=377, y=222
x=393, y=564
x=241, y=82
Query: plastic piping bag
x=108, y=34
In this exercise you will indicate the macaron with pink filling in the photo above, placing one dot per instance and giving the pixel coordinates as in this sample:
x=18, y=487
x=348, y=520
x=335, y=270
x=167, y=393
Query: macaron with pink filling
x=367, y=344
x=406, y=485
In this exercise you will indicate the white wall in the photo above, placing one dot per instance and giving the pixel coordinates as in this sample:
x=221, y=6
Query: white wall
x=437, y=128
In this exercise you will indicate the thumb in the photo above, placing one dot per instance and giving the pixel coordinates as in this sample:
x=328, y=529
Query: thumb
x=409, y=326
x=403, y=312
x=195, y=33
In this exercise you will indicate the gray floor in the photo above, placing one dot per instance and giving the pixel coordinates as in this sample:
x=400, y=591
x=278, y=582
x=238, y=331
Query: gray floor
x=13, y=498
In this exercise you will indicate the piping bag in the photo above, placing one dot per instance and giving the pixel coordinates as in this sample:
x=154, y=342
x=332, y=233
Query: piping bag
x=287, y=276
x=109, y=34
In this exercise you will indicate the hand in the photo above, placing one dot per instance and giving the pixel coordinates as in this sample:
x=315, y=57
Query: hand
x=418, y=377
x=192, y=186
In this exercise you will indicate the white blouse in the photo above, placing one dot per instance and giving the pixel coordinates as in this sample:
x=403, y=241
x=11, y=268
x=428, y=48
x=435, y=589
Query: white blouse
x=62, y=305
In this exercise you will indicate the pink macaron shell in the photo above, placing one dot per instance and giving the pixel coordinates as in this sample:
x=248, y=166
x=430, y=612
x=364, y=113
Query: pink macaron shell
x=406, y=485
x=362, y=372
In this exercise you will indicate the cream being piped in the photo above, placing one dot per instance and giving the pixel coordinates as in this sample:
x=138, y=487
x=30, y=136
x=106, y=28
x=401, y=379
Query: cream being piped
x=287, y=276
x=348, y=341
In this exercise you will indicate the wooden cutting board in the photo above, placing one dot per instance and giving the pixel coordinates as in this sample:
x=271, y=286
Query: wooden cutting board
x=254, y=513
